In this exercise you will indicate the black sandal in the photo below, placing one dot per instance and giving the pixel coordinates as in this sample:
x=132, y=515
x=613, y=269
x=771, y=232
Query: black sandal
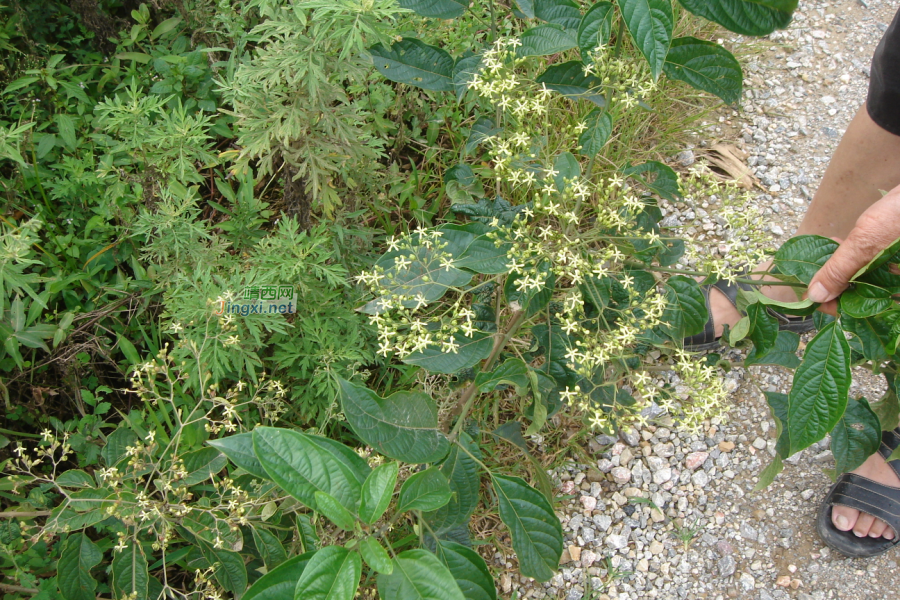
x=707, y=340
x=865, y=495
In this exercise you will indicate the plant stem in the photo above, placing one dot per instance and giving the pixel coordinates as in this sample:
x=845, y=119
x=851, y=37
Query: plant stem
x=759, y=282
x=12, y=514
x=19, y=433
x=469, y=395
x=6, y=587
x=493, y=21
x=621, y=34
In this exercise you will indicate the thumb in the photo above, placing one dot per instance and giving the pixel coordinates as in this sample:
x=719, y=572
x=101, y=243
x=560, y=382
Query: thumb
x=834, y=276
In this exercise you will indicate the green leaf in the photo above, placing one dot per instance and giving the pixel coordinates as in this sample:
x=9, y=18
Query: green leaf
x=599, y=125
x=741, y=16
x=436, y=9
x=413, y=62
x=568, y=79
x=239, y=449
x=531, y=301
x=377, y=492
x=739, y=331
x=856, y=437
x=357, y=467
x=331, y=574
x=129, y=573
x=887, y=409
x=426, y=490
x=280, y=582
x=526, y=7
x=469, y=351
x=887, y=255
x=116, y=444
x=763, y=328
x=804, y=255
x=402, y=426
x=536, y=532
x=202, y=464
x=567, y=170
x=865, y=300
x=75, y=478
x=66, y=126
x=595, y=28
x=418, y=575
x=545, y=39
x=686, y=312
x=464, y=71
x=463, y=474
x=73, y=571
x=768, y=475
x=165, y=27
x=135, y=56
x=484, y=256
x=128, y=349
x=650, y=24
x=706, y=66
x=301, y=467
x=664, y=183
x=564, y=13
x=801, y=307
x=483, y=129
x=334, y=511
x=469, y=569
x=375, y=555
x=513, y=371
x=819, y=390
x=874, y=335
x=269, y=547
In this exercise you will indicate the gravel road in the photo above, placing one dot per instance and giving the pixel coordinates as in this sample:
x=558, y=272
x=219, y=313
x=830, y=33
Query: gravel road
x=699, y=530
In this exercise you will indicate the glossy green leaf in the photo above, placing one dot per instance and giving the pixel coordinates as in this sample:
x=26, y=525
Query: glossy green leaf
x=129, y=573
x=526, y=7
x=595, y=28
x=873, y=335
x=706, y=66
x=331, y=574
x=426, y=490
x=660, y=179
x=819, y=392
x=483, y=129
x=239, y=450
x=801, y=307
x=468, y=569
x=375, y=555
x=567, y=170
x=531, y=301
x=561, y=12
x=768, y=475
x=568, y=79
x=804, y=255
x=73, y=571
x=650, y=24
x=332, y=510
x=763, y=328
x=202, y=464
x=686, y=312
x=484, y=256
x=402, y=426
x=413, y=62
x=357, y=467
x=741, y=16
x=856, y=437
x=883, y=258
x=116, y=444
x=301, y=467
x=377, y=492
x=279, y=583
x=865, y=300
x=463, y=475
x=419, y=575
x=436, y=9
x=469, y=351
x=513, y=371
x=269, y=547
x=230, y=570
x=545, y=39
x=464, y=71
x=599, y=125
x=75, y=478
x=887, y=409
x=536, y=532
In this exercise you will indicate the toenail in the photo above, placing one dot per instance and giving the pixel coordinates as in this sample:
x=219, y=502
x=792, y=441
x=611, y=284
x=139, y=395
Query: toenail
x=858, y=534
x=842, y=522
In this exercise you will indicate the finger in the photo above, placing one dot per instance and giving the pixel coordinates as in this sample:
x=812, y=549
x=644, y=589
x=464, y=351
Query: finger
x=860, y=247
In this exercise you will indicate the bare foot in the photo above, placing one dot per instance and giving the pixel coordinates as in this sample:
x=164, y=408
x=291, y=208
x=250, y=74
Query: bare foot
x=862, y=524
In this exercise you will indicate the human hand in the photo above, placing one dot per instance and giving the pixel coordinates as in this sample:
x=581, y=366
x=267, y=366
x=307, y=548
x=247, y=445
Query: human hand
x=876, y=229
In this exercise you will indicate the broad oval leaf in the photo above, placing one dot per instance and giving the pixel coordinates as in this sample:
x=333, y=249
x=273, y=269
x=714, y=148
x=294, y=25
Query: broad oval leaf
x=331, y=574
x=75, y=478
x=436, y=9
x=301, y=467
x=686, y=312
x=269, y=547
x=483, y=129
x=783, y=352
x=230, y=570
x=375, y=555
x=463, y=474
x=357, y=467
x=536, y=532
x=73, y=571
x=706, y=66
x=865, y=300
x=202, y=464
x=561, y=12
x=116, y=444
x=377, y=492
x=740, y=16
x=334, y=511
x=856, y=437
x=664, y=181
x=568, y=170
x=280, y=582
x=599, y=128
x=239, y=450
x=650, y=24
x=819, y=391
x=469, y=351
x=568, y=79
x=763, y=328
x=804, y=255
x=513, y=371
x=464, y=72
x=469, y=569
x=426, y=490
x=402, y=426
x=419, y=575
x=874, y=336
x=129, y=573
x=545, y=39
x=526, y=7
x=595, y=28
x=413, y=62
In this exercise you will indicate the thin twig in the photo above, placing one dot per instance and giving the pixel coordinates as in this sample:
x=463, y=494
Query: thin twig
x=28, y=514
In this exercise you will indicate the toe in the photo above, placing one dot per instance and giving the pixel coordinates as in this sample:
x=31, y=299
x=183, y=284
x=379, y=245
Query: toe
x=877, y=528
x=863, y=524
x=888, y=533
x=843, y=517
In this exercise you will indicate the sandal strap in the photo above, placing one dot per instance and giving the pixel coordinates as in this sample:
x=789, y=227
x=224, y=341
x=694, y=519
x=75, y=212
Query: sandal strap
x=865, y=495
x=708, y=335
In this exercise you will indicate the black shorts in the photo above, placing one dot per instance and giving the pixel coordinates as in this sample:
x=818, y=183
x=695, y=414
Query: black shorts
x=883, y=101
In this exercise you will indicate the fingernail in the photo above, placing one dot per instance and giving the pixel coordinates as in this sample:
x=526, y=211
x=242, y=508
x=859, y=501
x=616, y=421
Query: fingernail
x=842, y=523
x=817, y=293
